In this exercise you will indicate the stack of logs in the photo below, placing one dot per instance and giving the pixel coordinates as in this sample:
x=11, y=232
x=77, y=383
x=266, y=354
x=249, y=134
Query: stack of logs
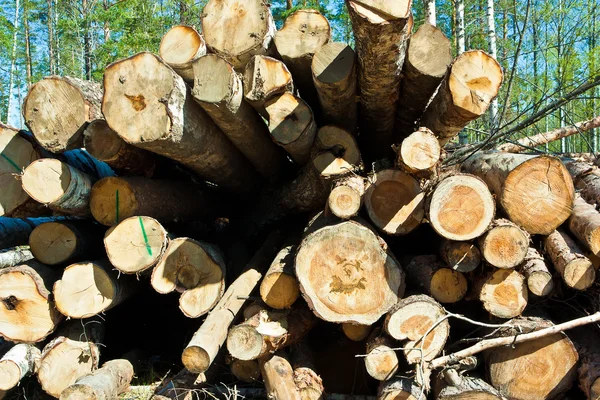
x=170, y=174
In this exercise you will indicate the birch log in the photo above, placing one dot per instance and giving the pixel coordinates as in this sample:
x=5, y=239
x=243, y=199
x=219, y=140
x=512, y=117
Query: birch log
x=17, y=363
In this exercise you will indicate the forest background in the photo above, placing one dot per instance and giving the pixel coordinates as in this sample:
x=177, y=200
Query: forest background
x=548, y=49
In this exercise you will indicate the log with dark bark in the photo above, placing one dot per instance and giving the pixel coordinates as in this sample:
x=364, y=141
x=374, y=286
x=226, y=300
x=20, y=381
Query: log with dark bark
x=219, y=90
x=88, y=288
x=395, y=202
x=436, y=279
x=535, y=270
x=197, y=269
x=399, y=388
x=586, y=178
x=356, y=280
x=238, y=29
x=461, y=207
x=428, y=56
x=381, y=31
x=381, y=360
x=503, y=293
x=567, y=257
x=105, y=145
x=106, y=383
x=308, y=382
x=279, y=287
x=180, y=47
x=460, y=256
x=454, y=386
x=302, y=34
x=346, y=198
x=264, y=79
x=334, y=76
x=504, y=245
x=584, y=223
x=246, y=371
x=57, y=110
x=535, y=192
x=19, y=362
x=27, y=309
x=419, y=153
x=150, y=106
x=411, y=319
x=114, y=199
x=278, y=375
x=589, y=371
x=466, y=92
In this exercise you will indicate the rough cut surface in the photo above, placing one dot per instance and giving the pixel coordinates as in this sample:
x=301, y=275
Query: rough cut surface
x=504, y=293
x=381, y=361
x=535, y=270
x=460, y=256
x=504, y=245
x=436, y=279
x=180, y=47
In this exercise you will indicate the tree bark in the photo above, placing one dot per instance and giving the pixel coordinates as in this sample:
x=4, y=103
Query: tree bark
x=27, y=44
x=436, y=279
x=461, y=207
x=308, y=382
x=535, y=270
x=346, y=198
x=419, y=153
x=454, y=387
x=219, y=90
x=460, y=26
x=334, y=77
x=427, y=59
x=14, y=256
x=429, y=6
x=503, y=293
x=159, y=114
x=210, y=337
x=51, y=61
x=381, y=360
x=105, y=145
x=586, y=178
x=265, y=78
x=589, y=371
x=395, y=202
x=136, y=244
x=584, y=223
x=467, y=90
x=13, y=60
x=355, y=281
x=399, y=388
x=197, y=269
x=245, y=371
x=58, y=109
x=460, y=256
x=536, y=193
x=104, y=384
x=19, y=362
x=381, y=35
x=573, y=266
x=114, y=199
x=180, y=47
x=302, y=34
x=504, y=245
x=26, y=307
x=279, y=287
x=279, y=378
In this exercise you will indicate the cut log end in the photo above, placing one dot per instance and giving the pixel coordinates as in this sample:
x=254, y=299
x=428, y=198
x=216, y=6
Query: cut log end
x=180, y=46
x=195, y=359
x=448, y=286
x=504, y=293
x=380, y=12
x=540, y=283
x=381, y=361
x=460, y=256
x=579, y=274
x=576, y=269
x=504, y=245
x=344, y=202
x=461, y=207
x=245, y=370
x=279, y=290
x=302, y=34
x=356, y=333
x=420, y=151
x=112, y=200
x=245, y=342
x=337, y=152
x=52, y=243
x=333, y=62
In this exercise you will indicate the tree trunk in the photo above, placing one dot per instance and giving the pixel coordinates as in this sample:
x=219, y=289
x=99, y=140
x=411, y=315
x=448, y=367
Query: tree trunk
x=395, y=202
x=399, y=388
x=51, y=61
x=460, y=256
x=180, y=47
x=289, y=4
x=436, y=279
x=334, y=76
x=535, y=270
x=265, y=78
x=27, y=44
x=59, y=186
x=196, y=269
x=26, y=308
x=573, y=266
x=504, y=245
x=114, y=199
x=210, y=337
x=19, y=362
x=302, y=34
x=419, y=153
x=461, y=207
x=380, y=35
x=586, y=178
x=13, y=61
x=509, y=367
x=238, y=29
x=427, y=59
x=245, y=371
x=104, y=384
x=491, y=27
x=219, y=90
x=279, y=287
x=355, y=281
x=88, y=288
x=164, y=119
x=105, y=145
x=589, y=371
x=410, y=320
x=460, y=26
x=346, y=198
x=429, y=6
x=522, y=181
x=464, y=95
x=14, y=256
x=503, y=293
x=292, y=126
x=267, y=332
x=381, y=360
x=308, y=382
x=584, y=223
x=64, y=361
x=54, y=243
x=58, y=109
x=279, y=378
x=356, y=333
x=456, y=387
x=136, y=244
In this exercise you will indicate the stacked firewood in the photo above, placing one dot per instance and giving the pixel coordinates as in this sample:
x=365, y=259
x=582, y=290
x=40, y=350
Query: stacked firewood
x=286, y=195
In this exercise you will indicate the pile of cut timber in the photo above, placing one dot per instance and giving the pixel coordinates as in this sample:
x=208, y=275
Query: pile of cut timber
x=269, y=210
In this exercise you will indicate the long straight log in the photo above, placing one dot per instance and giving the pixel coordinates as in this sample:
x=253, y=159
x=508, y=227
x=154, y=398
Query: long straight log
x=584, y=223
x=535, y=270
x=17, y=363
x=278, y=375
x=573, y=266
x=381, y=39
x=180, y=47
x=150, y=106
x=57, y=110
x=106, y=383
x=535, y=192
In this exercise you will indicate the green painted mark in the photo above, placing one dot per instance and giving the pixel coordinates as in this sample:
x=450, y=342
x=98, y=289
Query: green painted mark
x=117, y=207
x=11, y=162
x=145, y=236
